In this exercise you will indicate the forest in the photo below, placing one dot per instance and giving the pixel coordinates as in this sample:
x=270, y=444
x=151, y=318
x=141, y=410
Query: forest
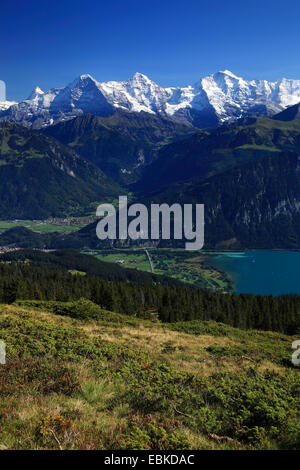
x=169, y=303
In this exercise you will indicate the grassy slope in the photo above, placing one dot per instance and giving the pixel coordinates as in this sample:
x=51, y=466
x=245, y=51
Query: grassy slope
x=120, y=382
x=132, y=259
x=39, y=227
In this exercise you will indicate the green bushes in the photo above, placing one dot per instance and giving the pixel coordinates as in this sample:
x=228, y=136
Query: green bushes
x=81, y=309
x=259, y=409
x=37, y=376
x=145, y=432
x=78, y=383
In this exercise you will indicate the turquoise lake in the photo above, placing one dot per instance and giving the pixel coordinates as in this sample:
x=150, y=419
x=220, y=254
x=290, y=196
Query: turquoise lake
x=262, y=272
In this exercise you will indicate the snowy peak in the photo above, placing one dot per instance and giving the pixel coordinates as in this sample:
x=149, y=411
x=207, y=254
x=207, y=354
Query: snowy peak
x=139, y=93
x=86, y=76
x=215, y=99
x=37, y=91
x=4, y=105
x=229, y=73
x=229, y=95
x=139, y=78
x=222, y=77
x=83, y=80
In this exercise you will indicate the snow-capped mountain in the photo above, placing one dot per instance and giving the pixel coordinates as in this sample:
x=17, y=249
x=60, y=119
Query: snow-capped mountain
x=4, y=105
x=214, y=100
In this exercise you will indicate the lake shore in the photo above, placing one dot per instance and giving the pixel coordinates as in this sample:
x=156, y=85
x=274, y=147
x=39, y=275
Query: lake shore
x=261, y=272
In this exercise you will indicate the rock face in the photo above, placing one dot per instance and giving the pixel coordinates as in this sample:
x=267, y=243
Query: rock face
x=214, y=100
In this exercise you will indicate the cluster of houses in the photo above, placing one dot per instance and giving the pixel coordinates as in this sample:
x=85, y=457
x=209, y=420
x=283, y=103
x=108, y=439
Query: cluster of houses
x=59, y=221
x=7, y=249
x=70, y=222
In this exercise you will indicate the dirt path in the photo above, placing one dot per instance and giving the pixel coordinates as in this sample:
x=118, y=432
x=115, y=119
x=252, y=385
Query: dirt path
x=150, y=260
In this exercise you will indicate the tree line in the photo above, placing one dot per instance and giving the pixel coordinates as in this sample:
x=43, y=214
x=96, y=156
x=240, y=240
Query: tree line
x=170, y=302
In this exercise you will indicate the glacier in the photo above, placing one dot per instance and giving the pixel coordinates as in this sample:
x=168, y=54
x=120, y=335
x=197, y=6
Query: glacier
x=214, y=100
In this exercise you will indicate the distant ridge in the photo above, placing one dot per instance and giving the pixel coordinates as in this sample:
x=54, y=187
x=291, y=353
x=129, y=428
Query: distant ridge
x=289, y=114
x=216, y=99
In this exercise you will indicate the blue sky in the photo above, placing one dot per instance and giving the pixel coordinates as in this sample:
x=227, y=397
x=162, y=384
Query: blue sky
x=49, y=43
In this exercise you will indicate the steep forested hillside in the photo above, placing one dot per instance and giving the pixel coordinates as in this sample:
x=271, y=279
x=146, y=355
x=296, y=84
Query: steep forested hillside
x=202, y=156
x=122, y=144
x=41, y=177
x=246, y=174
x=69, y=260
x=255, y=205
x=252, y=206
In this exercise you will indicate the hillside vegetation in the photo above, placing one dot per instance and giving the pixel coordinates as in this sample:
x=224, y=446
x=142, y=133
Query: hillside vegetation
x=147, y=295
x=246, y=174
x=208, y=154
x=121, y=144
x=119, y=382
x=40, y=177
x=70, y=260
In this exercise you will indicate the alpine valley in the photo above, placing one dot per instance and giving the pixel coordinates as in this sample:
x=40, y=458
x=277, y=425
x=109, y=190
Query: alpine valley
x=228, y=143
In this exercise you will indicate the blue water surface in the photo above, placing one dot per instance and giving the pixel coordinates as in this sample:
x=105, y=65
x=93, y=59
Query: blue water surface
x=262, y=272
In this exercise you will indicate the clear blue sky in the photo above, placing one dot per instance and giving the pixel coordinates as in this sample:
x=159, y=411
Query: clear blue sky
x=174, y=42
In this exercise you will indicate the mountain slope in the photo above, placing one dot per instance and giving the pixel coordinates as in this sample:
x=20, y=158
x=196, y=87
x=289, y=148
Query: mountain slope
x=74, y=261
x=40, y=177
x=290, y=114
x=122, y=144
x=119, y=385
x=246, y=173
x=58, y=104
x=204, y=155
x=254, y=205
x=216, y=99
x=248, y=176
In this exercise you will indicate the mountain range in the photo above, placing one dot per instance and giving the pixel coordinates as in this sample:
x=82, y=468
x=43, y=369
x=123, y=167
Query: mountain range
x=245, y=173
x=64, y=151
x=214, y=100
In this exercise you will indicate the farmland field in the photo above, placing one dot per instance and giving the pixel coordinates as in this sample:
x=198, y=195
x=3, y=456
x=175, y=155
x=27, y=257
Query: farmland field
x=186, y=266
x=38, y=226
